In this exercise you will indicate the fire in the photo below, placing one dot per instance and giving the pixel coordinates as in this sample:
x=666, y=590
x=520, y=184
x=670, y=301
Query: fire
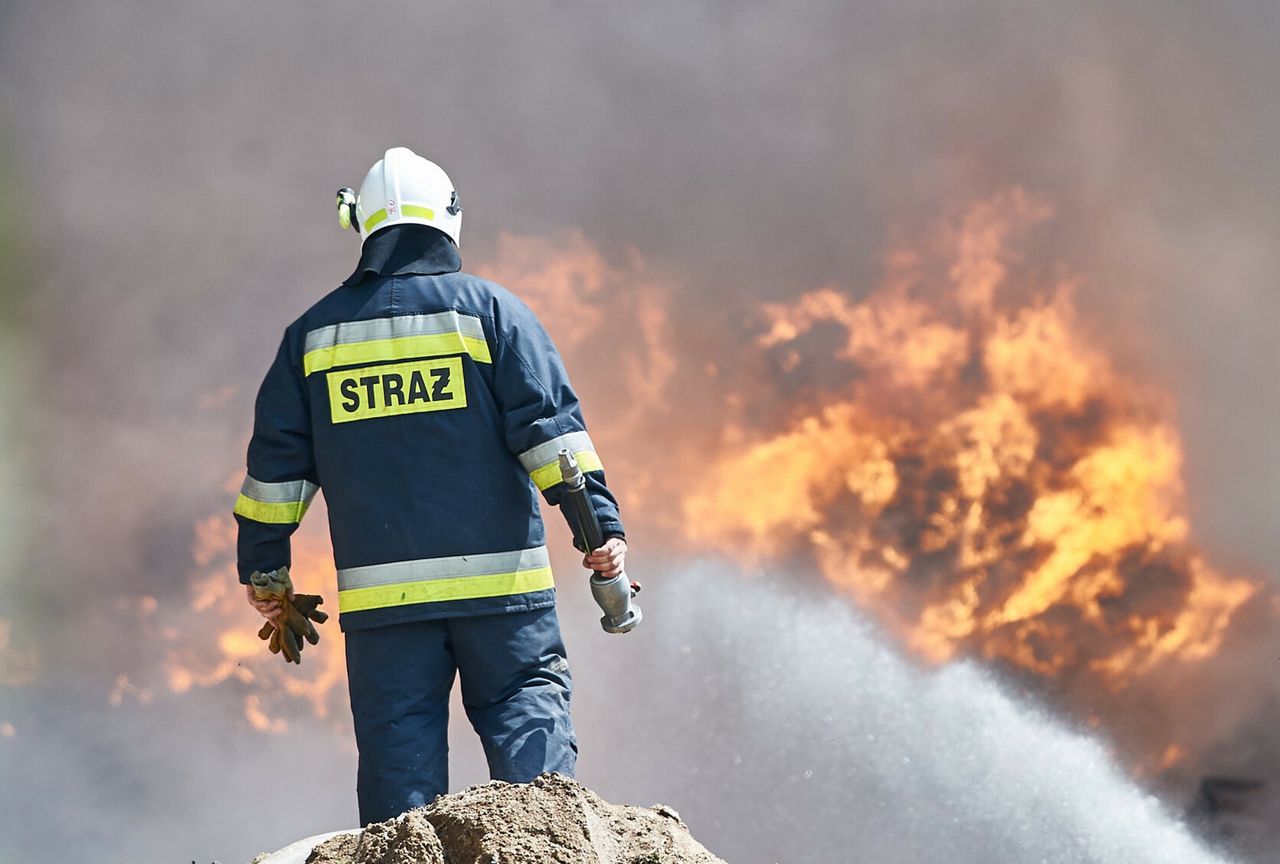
x=984, y=480
x=230, y=650
x=1173, y=754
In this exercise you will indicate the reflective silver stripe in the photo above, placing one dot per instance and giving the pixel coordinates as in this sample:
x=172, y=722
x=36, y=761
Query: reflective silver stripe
x=546, y=452
x=426, y=569
x=289, y=492
x=350, y=332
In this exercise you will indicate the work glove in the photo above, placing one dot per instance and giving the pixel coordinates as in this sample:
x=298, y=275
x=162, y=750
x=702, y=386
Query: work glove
x=286, y=633
x=289, y=639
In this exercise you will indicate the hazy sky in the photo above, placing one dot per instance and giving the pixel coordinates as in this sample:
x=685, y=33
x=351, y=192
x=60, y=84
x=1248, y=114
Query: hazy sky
x=173, y=165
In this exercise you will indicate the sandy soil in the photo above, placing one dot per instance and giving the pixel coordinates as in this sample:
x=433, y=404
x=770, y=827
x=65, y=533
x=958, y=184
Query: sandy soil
x=552, y=819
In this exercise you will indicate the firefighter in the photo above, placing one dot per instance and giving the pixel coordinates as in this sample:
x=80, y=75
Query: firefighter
x=430, y=406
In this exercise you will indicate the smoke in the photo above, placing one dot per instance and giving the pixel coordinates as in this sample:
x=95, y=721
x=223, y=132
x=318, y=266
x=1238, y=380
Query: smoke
x=754, y=150
x=814, y=742
x=818, y=743
x=173, y=165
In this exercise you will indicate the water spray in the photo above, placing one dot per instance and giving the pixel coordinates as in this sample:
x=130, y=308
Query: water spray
x=613, y=595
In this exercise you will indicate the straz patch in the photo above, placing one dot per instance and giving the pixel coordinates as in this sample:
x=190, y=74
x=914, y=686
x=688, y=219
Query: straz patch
x=398, y=388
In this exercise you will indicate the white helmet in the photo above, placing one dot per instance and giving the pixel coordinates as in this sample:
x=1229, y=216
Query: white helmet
x=402, y=188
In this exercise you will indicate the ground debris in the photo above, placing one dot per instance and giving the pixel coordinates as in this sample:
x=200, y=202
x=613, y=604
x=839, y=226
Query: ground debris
x=552, y=819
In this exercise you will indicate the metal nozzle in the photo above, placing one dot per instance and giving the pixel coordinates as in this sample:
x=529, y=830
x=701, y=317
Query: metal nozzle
x=613, y=595
x=570, y=471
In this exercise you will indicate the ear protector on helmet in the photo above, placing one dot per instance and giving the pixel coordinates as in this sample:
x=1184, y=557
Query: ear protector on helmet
x=347, y=208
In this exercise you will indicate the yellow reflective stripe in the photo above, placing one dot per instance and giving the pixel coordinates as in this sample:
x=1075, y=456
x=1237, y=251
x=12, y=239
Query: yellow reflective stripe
x=413, y=211
x=271, y=512
x=549, y=475
x=403, y=348
x=436, y=590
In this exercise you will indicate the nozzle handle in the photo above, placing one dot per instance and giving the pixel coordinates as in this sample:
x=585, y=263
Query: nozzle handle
x=612, y=595
x=582, y=516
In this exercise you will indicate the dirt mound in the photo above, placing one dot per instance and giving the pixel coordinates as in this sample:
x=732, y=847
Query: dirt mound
x=552, y=819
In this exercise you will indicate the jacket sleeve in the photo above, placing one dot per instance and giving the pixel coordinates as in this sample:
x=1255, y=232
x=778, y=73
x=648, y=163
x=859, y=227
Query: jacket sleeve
x=541, y=415
x=281, y=479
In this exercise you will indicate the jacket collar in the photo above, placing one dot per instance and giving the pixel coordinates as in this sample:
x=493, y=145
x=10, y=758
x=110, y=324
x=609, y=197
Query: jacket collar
x=407, y=249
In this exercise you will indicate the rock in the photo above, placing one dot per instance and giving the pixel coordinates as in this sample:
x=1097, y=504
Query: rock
x=409, y=839
x=552, y=819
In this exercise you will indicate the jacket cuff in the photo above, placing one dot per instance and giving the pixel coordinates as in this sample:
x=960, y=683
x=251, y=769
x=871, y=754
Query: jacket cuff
x=608, y=530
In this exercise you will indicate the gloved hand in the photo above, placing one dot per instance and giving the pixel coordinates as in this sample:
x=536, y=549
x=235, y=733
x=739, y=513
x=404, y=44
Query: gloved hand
x=285, y=633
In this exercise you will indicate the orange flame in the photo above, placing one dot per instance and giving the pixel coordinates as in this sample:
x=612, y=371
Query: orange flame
x=986, y=480
x=233, y=652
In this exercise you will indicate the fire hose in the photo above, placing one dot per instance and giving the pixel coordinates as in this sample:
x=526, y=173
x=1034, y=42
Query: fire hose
x=612, y=594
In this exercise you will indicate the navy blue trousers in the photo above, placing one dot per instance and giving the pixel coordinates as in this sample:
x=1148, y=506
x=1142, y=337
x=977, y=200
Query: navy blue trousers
x=515, y=689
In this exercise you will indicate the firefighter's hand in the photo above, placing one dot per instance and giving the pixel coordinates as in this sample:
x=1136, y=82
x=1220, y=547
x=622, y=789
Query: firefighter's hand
x=269, y=608
x=288, y=633
x=609, y=560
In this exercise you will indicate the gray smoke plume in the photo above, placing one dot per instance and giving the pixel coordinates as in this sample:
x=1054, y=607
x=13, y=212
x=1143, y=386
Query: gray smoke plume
x=173, y=164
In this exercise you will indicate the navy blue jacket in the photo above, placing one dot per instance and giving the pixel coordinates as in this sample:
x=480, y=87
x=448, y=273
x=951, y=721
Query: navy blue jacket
x=428, y=404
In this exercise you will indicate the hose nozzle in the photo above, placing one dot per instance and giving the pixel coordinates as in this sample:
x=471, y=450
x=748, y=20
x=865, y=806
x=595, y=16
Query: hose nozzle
x=613, y=595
